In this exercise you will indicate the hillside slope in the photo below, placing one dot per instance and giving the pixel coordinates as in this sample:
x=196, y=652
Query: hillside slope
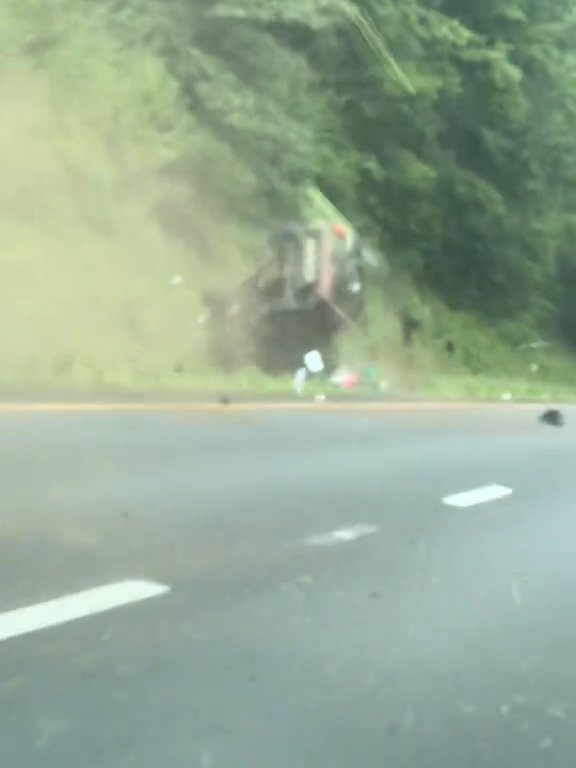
x=116, y=208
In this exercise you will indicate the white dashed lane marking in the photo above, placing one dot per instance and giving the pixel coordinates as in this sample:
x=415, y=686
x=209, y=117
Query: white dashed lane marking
x=478, y=496
x=341, y=536
x=63, y=610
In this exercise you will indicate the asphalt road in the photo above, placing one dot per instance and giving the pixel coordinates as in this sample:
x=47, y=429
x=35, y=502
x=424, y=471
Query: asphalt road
x=327, y=608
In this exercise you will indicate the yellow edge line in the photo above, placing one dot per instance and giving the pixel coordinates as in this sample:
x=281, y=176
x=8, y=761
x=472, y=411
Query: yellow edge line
x=210, y=408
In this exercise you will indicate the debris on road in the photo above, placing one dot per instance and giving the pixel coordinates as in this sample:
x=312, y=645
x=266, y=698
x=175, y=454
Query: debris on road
x=554, y=418
x=341, y=536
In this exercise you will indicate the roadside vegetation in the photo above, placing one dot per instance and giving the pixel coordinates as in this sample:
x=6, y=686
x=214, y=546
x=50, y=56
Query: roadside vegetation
x=147, y=145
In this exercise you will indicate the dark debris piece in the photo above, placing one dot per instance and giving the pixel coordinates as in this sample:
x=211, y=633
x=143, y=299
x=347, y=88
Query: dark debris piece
x=224, y=400
x=553, y=418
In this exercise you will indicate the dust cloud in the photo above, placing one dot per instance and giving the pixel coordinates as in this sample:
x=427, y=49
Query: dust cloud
x=103, y=253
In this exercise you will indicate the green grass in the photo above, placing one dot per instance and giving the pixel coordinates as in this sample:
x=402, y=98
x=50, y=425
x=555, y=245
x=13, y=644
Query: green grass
x=122, y=382
x=490, y=362
x=467, y=387
x=250, y=383
x=108, y=189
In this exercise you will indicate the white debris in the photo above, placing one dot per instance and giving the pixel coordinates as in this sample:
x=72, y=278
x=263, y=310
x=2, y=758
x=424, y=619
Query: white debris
x=299, y=381
x=320, y=399
x=540, y=344
x=203, y=318
x=534, y=368
x=546, y=743
x=314, y=362
x=370, y=258
x=176, y=281
x=507, y=397
x=355, y=287
x=341, y=536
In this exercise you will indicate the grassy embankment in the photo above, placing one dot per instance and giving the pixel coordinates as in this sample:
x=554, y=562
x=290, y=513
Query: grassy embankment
x=117, y=210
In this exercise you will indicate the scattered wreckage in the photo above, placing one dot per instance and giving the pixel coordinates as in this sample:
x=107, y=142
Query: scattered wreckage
x=310, y=285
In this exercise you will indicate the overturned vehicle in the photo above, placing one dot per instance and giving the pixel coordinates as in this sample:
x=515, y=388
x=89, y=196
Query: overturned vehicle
x=308, y=288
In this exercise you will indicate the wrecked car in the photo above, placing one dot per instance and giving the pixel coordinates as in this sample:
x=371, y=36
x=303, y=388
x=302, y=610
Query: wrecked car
x=309, y=286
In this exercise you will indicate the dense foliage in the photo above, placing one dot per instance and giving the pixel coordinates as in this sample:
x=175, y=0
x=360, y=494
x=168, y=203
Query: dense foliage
x=444, y=127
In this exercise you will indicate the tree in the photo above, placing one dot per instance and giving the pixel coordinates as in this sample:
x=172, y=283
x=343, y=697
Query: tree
x=444, y=127
x=247, y=82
